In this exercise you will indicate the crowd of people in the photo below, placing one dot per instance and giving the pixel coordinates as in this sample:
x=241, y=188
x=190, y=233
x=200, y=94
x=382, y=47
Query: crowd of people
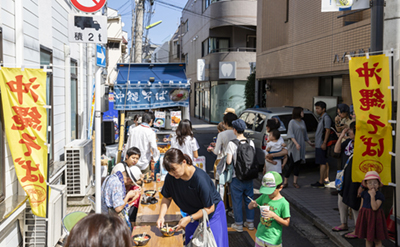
x=195, y=193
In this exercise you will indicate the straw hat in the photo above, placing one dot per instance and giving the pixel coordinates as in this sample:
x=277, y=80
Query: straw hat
x=231, y=110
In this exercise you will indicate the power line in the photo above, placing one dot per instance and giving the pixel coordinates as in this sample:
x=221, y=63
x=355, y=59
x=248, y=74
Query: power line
x=202, y=15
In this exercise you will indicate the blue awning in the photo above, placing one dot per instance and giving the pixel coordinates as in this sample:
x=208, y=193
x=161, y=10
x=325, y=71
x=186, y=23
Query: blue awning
x=133, y=89
x=142, y=72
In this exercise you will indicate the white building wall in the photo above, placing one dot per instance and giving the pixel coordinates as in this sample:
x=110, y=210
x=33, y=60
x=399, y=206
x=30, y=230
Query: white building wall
x=44, y=23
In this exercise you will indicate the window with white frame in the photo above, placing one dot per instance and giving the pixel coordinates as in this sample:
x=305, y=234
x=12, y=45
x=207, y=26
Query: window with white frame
x=74, y=99
x=46, y=58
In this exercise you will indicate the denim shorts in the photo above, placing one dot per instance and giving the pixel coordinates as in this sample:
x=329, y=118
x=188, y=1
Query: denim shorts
x=320, y=156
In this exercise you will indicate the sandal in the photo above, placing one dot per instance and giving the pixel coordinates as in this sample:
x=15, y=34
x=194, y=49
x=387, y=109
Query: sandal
x=339, y=229
x=350, y=235
x=285, y=185
x=296, y=185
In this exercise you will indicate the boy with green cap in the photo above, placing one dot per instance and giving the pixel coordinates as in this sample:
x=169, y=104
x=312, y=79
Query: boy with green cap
x=269, y=231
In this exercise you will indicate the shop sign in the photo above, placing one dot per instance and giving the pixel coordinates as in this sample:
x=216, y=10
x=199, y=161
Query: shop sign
x=372, y=100
x=25, y=122
x=200, y=162
x=142, y=96
x=227, y=70
x=201, y=69
x=343, y=5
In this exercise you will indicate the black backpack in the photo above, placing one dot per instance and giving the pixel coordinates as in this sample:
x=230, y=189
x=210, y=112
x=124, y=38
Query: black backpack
x=332, y=138
x=246, y=165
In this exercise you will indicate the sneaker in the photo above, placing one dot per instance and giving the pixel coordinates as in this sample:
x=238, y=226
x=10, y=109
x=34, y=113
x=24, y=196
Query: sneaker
x=318, y=185
x=238, y=228
x=326, y=183
x=249, y=225
x=230, y=214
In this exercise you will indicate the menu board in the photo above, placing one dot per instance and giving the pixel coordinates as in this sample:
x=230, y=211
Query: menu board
x=176, y=117
x=159, y=119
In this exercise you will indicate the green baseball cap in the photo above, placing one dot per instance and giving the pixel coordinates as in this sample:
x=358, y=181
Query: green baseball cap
x=269, y=182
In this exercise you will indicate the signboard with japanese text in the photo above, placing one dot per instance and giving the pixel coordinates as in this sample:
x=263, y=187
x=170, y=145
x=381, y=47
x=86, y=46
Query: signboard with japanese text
x=159, y=121
x=176, y=117
x=25, y=123
x=372, y=100
x=343, y=5
x=87, y=29
x=141, y=96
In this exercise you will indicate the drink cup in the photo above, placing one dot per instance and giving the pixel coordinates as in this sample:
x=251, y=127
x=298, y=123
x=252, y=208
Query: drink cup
x=262, y=208
x=158, y=177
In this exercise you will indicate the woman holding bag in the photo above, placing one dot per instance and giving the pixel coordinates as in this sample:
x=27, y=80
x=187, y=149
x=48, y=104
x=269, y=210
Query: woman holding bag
x=348, y=195
x=192, y=190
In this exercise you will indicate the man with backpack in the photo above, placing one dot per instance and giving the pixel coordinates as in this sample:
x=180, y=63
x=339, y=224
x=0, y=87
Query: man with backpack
x=241, y=154
x=321, y=142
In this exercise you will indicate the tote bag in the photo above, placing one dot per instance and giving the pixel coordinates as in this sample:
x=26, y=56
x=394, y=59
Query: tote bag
x=340, y=174
x=203, y=236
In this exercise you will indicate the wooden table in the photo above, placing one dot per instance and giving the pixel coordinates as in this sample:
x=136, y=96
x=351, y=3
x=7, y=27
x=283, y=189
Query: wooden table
x=148, y=214
x=157, y=239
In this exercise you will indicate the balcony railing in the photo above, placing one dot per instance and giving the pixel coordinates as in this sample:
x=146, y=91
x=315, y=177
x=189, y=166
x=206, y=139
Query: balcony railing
x=234, y=49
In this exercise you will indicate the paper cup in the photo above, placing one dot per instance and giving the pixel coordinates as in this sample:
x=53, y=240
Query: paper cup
x=262, y=208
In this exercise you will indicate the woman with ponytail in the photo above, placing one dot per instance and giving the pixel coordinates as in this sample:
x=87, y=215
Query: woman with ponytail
x=192, y=190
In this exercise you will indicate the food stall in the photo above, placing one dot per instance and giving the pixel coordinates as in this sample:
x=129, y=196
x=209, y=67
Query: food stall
x=161, y=88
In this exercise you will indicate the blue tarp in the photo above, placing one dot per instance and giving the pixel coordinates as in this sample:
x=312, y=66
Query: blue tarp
x=170, y=87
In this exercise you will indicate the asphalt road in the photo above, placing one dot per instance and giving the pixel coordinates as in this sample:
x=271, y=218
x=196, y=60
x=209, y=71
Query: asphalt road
x=300, y=233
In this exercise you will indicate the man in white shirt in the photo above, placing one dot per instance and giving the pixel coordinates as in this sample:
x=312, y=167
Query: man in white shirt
x=144, y=138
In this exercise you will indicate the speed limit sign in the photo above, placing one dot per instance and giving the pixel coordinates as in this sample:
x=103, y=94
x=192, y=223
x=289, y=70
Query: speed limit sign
x=88, y=6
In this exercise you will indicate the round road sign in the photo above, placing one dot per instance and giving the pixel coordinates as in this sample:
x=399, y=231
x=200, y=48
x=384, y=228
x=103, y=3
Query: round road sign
x=88, y=6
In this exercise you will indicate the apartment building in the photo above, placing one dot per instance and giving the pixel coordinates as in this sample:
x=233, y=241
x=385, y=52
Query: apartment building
x=34, y=33
x=218, y=44
x=301, y=51
x=117, y=44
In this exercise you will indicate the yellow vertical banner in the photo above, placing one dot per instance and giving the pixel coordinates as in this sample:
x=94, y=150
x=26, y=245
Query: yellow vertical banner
x=372, y=100
x=23, y=94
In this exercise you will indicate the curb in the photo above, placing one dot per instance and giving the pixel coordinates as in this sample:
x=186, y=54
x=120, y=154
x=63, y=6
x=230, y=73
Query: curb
x=322, y=226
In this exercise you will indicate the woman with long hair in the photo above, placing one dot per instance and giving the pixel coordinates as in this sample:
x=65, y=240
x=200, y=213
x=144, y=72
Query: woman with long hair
x=99, y=230
x=184, y=139
x=297, y=134
x=349, y=194
x=192, y=190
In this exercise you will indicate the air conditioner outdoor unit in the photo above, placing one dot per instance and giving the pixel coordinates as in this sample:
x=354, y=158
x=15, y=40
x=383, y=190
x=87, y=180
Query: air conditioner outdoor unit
x=35, y=227
x=79, y=159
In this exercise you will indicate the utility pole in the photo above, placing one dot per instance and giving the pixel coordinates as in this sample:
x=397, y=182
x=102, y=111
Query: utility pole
x=139, y=31
x=133, y=32
x=377, y=18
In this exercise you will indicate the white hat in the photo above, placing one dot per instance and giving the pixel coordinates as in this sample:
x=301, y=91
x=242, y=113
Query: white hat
x=133, y=171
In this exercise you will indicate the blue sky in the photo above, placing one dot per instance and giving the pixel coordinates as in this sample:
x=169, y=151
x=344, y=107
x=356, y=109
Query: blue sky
x=170, y=18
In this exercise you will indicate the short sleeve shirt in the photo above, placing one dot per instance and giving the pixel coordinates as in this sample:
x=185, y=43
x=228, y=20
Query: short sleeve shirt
x=197, y=193
x=269, y=230
x=367, y=198
x=324, y=123
x=189, y=146
x=112, y=193
x=232, y=148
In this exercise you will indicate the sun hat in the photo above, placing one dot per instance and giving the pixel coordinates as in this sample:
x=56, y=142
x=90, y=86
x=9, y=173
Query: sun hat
x=370, y=176
x=133, y=171
x=269, y=182
x=231, y=110
x=239, y=125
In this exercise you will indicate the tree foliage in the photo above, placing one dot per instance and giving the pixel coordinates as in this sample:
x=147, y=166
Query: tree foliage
x=249, y=91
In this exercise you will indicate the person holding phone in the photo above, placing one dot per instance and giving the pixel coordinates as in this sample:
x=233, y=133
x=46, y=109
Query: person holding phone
x=343, y=119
